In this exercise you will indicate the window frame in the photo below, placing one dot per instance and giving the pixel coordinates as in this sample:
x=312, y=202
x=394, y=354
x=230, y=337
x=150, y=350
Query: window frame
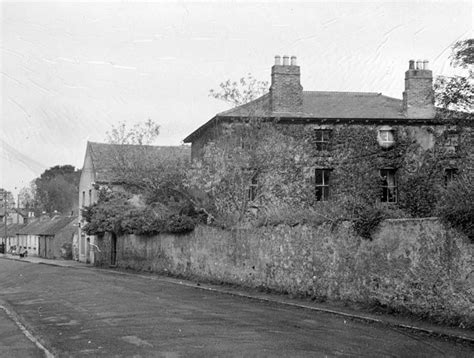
x=323, y=143
x=322, y=190
x=386, y=137
x=449, y=175
x=252, y=191
x=389, y=194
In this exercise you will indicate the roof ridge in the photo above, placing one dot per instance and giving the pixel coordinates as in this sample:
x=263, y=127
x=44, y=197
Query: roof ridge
x=138, y=145
x=346, y=92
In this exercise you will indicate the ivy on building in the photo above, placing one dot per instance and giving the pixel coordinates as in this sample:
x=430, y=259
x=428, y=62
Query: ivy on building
x=286, y=159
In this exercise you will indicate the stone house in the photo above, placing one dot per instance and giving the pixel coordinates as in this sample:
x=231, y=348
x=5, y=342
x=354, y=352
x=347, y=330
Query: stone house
x=112, y=166
x=358, y=141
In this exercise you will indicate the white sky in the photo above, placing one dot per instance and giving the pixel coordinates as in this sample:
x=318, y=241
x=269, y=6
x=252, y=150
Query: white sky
x=69, y=71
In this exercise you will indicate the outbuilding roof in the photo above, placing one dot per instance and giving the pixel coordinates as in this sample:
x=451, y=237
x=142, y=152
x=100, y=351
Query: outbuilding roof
x=12, y=229
x=48, y=227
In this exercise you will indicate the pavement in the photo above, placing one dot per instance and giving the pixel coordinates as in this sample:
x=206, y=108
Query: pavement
x=15, y=341
x=425, y=329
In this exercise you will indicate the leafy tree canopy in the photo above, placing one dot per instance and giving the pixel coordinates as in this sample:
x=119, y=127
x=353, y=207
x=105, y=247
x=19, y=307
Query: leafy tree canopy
x=240, y=92
x=457, y=92
x=57, y=188
x=142, y=133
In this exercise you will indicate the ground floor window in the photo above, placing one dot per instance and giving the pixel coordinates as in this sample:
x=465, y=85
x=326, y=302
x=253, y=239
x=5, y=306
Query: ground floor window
x=322, y=184
x=389, y=186
x=253, y=188
x=449, y=175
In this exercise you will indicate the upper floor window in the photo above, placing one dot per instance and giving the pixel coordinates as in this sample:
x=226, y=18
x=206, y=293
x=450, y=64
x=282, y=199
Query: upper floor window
x=451, y=140
x=385, y=137
x=90, y=196
x=389, y=186
x=83, y=198
x=322, y=184
x=322, y=139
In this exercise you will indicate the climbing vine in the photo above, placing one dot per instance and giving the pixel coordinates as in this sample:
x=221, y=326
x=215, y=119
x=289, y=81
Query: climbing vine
x=419, y=157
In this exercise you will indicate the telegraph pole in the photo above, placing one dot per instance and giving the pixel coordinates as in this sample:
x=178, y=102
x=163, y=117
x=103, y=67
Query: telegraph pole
x=6, y=231
x=5, y=216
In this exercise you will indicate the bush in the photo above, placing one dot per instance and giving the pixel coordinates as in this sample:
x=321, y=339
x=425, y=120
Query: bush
x=456, y=207
x=179, y=224
x=418, y=198
x=142, y=222
x=367, y=220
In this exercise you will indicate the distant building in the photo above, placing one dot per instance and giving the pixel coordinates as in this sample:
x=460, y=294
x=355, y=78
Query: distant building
x=50, y=238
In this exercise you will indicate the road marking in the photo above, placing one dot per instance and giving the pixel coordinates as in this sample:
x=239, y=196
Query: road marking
x=27, y=333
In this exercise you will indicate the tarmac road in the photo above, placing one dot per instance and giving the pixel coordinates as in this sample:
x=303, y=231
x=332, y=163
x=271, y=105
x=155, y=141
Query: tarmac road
x=88, y=312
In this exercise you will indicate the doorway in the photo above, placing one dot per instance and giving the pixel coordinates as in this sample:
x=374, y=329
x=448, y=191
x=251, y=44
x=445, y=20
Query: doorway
x=113, y=249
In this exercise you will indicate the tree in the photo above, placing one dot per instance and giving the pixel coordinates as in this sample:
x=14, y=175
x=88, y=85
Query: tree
x=141, y=133
x=57, y=189
x=240, y=92
x=26, y=196
x=5, y=207
x=252, y=164
x=457, y=92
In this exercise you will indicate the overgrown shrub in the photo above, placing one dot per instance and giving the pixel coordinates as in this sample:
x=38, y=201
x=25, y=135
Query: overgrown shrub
x=142, y=222
x=456, y=207
x=367, y=220
x=115, y=213
x=179, y=224
x=419, y=196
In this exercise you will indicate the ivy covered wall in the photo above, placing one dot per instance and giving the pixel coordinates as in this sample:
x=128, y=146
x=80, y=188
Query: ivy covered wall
x=422, y=157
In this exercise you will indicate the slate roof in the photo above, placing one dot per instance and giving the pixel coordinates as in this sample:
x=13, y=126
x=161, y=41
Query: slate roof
x=57, y=224
x=323, y=106
x=107, y=159
x=12, y=229
x=49, y=227
x=320, y=104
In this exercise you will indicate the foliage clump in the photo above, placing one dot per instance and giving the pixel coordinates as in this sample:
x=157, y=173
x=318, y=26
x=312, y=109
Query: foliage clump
x=419, y=196
x=115, y=212
x=456, y=205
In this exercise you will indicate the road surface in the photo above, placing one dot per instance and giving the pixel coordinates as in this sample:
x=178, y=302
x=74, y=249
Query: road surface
x=91, y=312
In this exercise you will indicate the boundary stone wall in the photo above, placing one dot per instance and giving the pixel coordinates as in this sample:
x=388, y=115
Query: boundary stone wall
x=411, y=264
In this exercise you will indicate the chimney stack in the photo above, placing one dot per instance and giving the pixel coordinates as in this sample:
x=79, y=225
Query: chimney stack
x=418, y=97
x=286, y=92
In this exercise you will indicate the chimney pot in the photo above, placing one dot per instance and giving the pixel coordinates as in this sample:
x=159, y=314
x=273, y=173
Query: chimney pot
x=286, y=60
x=411, y=65
x=277, y=60
x=419, y=65
x=425, y=65
x=293, y=60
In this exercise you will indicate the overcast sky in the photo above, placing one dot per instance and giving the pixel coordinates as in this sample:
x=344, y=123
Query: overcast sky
x=69, y=71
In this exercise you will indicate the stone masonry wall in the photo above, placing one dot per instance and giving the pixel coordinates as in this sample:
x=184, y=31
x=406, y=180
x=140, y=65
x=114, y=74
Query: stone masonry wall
x=413, y=265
